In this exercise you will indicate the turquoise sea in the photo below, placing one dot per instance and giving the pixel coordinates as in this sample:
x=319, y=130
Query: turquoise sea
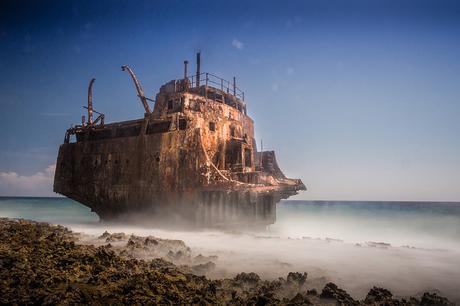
x=418, y=224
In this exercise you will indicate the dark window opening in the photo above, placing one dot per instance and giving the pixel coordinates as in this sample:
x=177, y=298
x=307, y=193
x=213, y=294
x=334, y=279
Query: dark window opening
x=182, y=124
x=129, y=131
x=170, y=104
x=233, y=156
x=158, y=127
x=212, y=126
x=232, y=131
x=247, y=158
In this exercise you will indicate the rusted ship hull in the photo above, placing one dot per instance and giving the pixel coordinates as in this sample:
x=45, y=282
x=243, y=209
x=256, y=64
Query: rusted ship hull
x=193, y=158
x=162, y=176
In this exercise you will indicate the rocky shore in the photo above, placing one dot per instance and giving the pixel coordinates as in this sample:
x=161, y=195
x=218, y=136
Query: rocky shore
x=43, y=264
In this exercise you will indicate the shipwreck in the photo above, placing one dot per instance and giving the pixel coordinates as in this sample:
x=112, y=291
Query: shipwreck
x=192, y=157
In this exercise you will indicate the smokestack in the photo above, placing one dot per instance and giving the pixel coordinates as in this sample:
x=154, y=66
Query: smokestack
x=198, y=68
x=185, y=69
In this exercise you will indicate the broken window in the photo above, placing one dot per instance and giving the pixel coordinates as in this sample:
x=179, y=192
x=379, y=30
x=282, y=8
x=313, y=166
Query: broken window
x=232, y=131
x=182, y=124
x=158, y=127
x=212, y=126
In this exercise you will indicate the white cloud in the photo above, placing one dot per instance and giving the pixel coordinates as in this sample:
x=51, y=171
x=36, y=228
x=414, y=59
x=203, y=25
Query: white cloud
x=38, y=184
x=237, y=44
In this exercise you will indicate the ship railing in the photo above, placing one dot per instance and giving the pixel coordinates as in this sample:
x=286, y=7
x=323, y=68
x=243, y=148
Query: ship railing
x=215, y=81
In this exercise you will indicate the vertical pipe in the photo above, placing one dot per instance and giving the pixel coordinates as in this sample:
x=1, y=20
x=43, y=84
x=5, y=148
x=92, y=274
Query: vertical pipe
x=185, y=69
x=198, y=68
x=234, y=86
x=261, y=152
x=90, y=101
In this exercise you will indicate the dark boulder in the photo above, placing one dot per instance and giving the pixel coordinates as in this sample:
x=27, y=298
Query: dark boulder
x=331, y=291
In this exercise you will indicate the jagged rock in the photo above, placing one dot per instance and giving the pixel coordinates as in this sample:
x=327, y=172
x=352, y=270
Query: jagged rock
x=115, y=237
x=434, y=299
x=297, y=278
x=378, y=295
x=299, y=299
x=150, y=241
x=104, y=235
x=331, y=291
x=202, y=269
x=247, y=278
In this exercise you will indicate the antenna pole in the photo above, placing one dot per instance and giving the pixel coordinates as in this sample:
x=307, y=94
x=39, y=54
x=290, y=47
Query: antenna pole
x=198, y=68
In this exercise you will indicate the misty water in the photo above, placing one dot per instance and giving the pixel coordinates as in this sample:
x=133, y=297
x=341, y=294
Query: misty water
x=407, y=247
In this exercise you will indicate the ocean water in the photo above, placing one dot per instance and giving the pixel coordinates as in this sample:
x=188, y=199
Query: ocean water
x=416, y=224
x=406, y=247
x=433, y=225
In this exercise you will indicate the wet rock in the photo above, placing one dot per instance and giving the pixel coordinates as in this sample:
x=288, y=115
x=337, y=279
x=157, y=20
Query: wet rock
x=115, y=237
x=297, y=278
x=332, y=240
x=150, y=241
x=200, y=259
x=380, y=245
x=299, y=299
x=378, y=295
x=104, y=235
x=331, y=291
x=434, y=299
x=202, y=269
x=247, y=278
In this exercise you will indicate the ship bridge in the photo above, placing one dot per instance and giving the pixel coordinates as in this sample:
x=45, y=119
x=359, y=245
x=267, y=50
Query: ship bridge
x=213, y=87
x=209, y=86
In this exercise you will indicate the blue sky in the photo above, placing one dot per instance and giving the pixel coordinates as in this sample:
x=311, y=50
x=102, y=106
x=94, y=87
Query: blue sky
x=360, y=99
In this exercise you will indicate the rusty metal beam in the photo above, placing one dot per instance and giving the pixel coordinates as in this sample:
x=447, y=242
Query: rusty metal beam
x=140, y=91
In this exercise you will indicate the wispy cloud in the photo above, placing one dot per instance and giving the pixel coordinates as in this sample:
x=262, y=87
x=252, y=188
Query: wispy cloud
x=38, y=184
x=237, y=44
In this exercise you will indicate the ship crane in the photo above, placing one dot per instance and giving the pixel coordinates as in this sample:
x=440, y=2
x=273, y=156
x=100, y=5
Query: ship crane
x=140, y=91
x=90, y=109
